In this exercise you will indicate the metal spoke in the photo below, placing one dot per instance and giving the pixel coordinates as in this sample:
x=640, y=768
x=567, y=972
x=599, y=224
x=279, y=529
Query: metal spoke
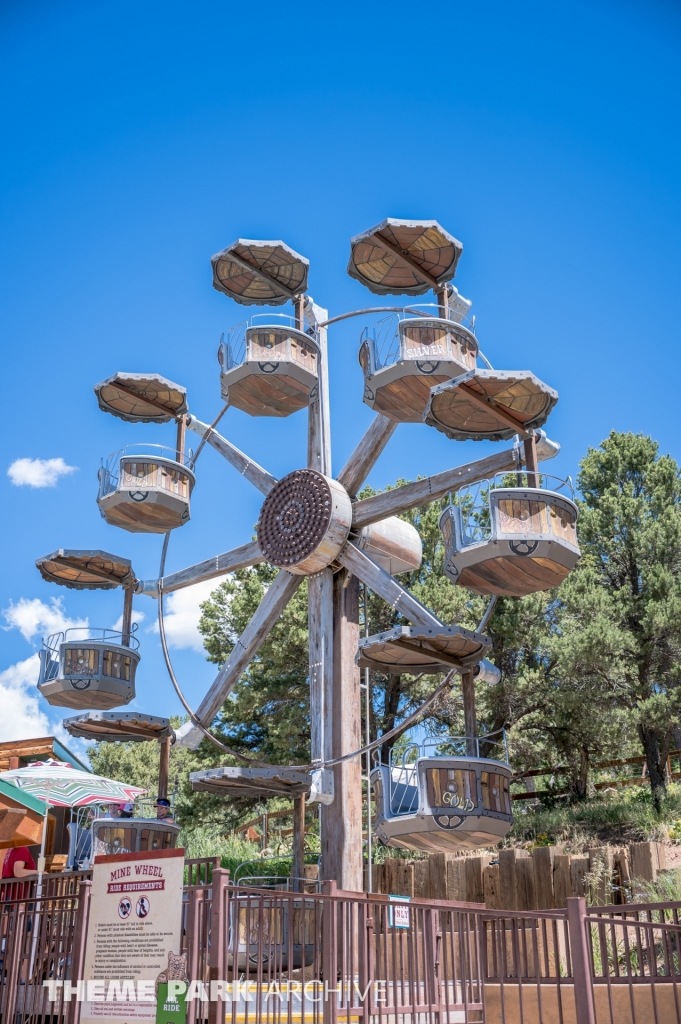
x=383, y=584
x=245, y=649
x=361, y=462
x=219, y=565
x=254, y=473
x=401, y=499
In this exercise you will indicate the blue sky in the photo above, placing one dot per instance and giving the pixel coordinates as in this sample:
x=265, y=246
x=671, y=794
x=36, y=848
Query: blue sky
x=139, y=139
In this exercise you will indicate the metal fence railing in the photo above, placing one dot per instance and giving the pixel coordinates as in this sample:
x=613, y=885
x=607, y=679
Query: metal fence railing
x=40, y=941
x=325, y=958
x=273, y=956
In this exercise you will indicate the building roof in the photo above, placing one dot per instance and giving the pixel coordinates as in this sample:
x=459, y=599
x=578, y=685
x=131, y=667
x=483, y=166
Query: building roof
x=38, y=749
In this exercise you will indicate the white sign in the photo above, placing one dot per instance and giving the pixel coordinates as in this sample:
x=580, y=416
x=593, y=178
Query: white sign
x=134, y=934
x=398, y=912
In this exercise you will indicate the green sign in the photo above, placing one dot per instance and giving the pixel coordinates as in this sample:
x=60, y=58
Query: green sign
x=174, y=1012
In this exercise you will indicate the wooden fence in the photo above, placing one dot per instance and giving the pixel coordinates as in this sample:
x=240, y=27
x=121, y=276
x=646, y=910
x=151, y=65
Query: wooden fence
x=621, y=771
x=514, y=879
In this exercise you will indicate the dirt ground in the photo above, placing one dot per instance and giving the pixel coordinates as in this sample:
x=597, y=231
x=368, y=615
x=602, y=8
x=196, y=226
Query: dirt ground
x=673, y=855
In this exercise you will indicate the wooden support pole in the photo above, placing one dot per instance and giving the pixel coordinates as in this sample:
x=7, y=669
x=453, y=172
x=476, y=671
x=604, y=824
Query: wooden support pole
x=127, y=615
x=298, y=311
x=519, y=462
x=181, y=432
x=442, y=296
x=298, y=842
x=469, y=717
x=163, y=768
x=342, y=820
x=531, y=461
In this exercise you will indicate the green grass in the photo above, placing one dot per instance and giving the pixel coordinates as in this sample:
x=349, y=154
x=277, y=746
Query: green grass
x=626, y=816
x=667, y=888
x=233, y=851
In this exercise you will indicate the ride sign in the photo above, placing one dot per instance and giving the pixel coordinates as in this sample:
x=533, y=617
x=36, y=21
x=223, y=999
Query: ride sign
x=134, y=939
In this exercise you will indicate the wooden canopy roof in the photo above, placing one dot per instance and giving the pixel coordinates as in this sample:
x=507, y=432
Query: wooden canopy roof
x=414, y=649
x=273, y=781
x=124, y=726
x=404, y=257
x=86, y=570
x=141, y=397
x=19, y=753
x=255, y=273
x=490, y=405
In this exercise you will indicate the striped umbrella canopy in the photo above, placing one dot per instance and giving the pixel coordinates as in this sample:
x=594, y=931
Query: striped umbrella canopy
x=61, y=785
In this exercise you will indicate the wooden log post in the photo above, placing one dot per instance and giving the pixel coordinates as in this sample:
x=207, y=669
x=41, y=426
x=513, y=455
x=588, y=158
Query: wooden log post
x=531, y=461
x=562, y=880
x=298, y=842
x=342, y=819
x=491, y=884
x=420, y=879
x=163, y=768
x=456, y=879
x=526, y=897
x=474, y=868
x=442, y=296
x=298, y=305
x=507, y=879
x=469, y=716
x=126, y=628
x=181, y=436
x=544, y=863
x=579, y=868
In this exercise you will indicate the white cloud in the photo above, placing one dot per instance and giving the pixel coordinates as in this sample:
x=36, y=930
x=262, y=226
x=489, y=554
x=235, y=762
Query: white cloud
x=22, y=717
x=38, y=472
x=136, y=617
x=35, y=618
x=182, y=614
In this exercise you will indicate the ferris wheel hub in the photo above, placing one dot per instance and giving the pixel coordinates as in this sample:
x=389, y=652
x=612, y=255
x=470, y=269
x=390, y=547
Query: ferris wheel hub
x=304, y=522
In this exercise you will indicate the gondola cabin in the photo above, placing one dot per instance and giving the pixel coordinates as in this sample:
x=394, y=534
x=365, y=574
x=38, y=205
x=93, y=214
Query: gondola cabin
x=268, y=367
x=119, y=727
x=443, y=803
x=132, y=835
x=86, y=570
x=406, y=356
x=141, y=397
x=489, y=405
x=279, y=929
x=145, y=489
x=510, y=541
x=87, y=668
x=418, y=649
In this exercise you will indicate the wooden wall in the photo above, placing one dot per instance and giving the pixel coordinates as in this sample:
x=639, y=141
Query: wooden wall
x=516, y=879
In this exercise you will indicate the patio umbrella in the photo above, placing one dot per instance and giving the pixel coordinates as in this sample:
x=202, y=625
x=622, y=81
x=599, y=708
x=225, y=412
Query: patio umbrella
x=59, y=784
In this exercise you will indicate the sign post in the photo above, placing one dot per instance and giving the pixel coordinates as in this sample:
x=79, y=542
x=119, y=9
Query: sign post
x=134, y=941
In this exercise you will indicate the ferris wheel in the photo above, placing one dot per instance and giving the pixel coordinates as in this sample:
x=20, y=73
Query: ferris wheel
x=510, y=530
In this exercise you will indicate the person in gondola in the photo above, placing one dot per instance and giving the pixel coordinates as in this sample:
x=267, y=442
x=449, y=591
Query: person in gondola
x=164, y=811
